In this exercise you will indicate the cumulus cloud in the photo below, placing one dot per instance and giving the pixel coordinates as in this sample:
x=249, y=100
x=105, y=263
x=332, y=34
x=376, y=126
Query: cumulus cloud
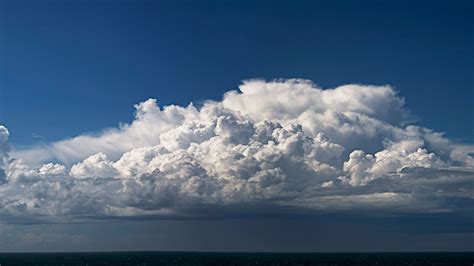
x=4, y=149
x=282, y=143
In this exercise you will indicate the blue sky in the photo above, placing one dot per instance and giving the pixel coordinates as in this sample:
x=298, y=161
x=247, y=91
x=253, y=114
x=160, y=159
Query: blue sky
x=70, y=67
x=316, y=125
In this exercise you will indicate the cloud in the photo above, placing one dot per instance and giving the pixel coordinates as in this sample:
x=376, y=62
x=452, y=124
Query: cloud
x=283, y=143
x=4, y=149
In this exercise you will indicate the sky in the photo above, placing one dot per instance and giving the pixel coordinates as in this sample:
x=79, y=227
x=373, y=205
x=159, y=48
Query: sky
x=178, y=125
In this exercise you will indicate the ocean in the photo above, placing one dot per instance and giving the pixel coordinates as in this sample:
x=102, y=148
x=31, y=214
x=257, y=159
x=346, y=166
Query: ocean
x=218, y=258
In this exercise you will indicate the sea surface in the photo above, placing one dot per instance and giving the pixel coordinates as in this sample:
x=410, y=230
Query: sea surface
x=205, y=258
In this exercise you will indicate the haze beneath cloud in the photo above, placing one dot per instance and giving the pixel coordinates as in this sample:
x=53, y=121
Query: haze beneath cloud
x=286, y=144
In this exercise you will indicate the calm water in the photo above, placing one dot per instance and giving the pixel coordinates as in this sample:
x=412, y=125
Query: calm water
x=194, y=258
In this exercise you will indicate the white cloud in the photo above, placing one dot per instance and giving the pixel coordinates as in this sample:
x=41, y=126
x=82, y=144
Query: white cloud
x=284, y=143
x=51, y=169
x=97, y=165
x=4, y=149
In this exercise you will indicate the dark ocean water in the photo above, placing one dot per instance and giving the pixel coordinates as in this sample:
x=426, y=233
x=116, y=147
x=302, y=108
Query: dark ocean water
x=201, y=258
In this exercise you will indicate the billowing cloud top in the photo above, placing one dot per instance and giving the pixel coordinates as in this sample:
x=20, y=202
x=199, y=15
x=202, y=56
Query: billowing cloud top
x=285, y=144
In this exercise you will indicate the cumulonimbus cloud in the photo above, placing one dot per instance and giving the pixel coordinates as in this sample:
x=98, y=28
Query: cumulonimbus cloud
x=283, y=143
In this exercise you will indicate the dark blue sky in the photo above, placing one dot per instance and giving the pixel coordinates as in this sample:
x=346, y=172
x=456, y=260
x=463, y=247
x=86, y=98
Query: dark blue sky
x=69, y=67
